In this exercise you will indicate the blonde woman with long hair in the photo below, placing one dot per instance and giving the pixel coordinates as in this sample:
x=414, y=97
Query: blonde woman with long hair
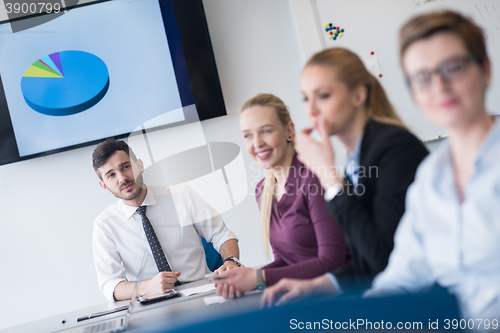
x=343, y=99
x=306, y=241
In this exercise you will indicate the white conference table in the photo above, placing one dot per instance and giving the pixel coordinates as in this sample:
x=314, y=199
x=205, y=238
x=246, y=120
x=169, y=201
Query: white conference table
x=166, y=315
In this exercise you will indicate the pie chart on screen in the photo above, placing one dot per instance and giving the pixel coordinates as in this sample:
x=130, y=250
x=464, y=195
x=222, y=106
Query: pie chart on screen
x=64, y=83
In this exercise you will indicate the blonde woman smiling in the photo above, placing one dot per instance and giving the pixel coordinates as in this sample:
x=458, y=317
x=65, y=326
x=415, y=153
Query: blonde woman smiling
x=306, y=240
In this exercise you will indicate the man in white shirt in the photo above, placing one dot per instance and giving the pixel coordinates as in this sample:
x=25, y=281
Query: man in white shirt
x=177, y=215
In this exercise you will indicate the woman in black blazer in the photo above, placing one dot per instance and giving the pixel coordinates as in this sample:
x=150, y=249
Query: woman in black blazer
x=368, y=199
x=390, y=155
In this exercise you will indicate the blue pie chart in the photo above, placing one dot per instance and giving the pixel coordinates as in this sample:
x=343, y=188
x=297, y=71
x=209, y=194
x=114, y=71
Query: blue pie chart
x=64, y=83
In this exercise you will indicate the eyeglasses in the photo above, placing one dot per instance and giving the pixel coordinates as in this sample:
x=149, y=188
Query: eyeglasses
x=449, y=70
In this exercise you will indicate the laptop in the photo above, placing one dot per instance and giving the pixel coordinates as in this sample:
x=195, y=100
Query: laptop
x=112, y=321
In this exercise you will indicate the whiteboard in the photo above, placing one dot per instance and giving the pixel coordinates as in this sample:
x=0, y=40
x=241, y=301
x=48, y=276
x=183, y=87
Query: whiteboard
x=373, y=25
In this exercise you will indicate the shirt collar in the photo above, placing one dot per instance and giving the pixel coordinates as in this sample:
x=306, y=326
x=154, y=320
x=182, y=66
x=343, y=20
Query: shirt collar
x=149, y=200
x=488, y=151
x=296, y=164
x=354, y=158
x=295, y=161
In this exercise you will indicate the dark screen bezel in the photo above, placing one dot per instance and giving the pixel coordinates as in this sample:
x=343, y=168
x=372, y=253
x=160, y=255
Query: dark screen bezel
x=205, y=92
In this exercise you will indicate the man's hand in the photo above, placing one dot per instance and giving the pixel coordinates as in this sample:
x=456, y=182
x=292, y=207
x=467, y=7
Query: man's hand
x=229, y=264
x=295, y=290
x=234, y=282
x=162, y=282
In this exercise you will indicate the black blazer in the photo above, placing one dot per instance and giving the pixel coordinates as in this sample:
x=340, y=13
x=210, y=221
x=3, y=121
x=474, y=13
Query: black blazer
x=389, y=157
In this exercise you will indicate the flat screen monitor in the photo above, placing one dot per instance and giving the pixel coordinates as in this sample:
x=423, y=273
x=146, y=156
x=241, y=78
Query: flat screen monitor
x=101, y=70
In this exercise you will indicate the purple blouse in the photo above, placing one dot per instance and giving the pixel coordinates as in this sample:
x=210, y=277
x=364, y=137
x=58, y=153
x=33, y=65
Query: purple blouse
x=306, y=241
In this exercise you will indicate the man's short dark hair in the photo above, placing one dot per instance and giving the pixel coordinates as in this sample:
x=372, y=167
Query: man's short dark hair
x=105, y=149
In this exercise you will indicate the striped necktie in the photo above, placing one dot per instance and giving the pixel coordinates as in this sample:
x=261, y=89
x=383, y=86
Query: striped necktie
x=159, y=256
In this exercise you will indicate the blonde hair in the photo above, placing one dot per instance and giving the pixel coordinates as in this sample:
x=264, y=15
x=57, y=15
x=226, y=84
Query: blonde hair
x=267, y=187
x=352, y=72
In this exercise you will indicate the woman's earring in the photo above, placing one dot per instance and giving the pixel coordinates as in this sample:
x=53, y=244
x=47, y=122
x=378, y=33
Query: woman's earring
x=289, y=139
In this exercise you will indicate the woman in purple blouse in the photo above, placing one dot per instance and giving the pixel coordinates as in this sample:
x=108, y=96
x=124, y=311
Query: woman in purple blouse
x=306, y=241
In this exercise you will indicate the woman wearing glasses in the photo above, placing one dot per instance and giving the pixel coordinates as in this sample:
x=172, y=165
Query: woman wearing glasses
x=450, y=232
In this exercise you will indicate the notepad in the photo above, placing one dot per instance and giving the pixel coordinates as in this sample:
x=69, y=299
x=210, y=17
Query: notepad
x=210, y=300
x=198, y=290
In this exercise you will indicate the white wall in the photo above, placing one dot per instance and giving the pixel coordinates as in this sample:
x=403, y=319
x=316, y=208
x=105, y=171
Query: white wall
x=374, y=26
x=256, y=50
x=48, y=204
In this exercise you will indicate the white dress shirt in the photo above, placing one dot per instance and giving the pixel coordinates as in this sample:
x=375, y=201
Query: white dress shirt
x=352, y=172
x=445, y=241
x=352, y=166
x=179, y=217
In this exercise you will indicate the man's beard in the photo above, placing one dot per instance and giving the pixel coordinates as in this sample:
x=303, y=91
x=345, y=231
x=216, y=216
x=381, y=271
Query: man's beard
x=130, y=195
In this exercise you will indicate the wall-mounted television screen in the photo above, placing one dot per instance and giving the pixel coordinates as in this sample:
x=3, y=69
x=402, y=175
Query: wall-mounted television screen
x=101, y=70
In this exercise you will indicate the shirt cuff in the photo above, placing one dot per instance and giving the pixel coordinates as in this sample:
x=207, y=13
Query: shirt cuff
x=335, y=282
x=109, y=289
x=221, y=237
x=332, y=192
